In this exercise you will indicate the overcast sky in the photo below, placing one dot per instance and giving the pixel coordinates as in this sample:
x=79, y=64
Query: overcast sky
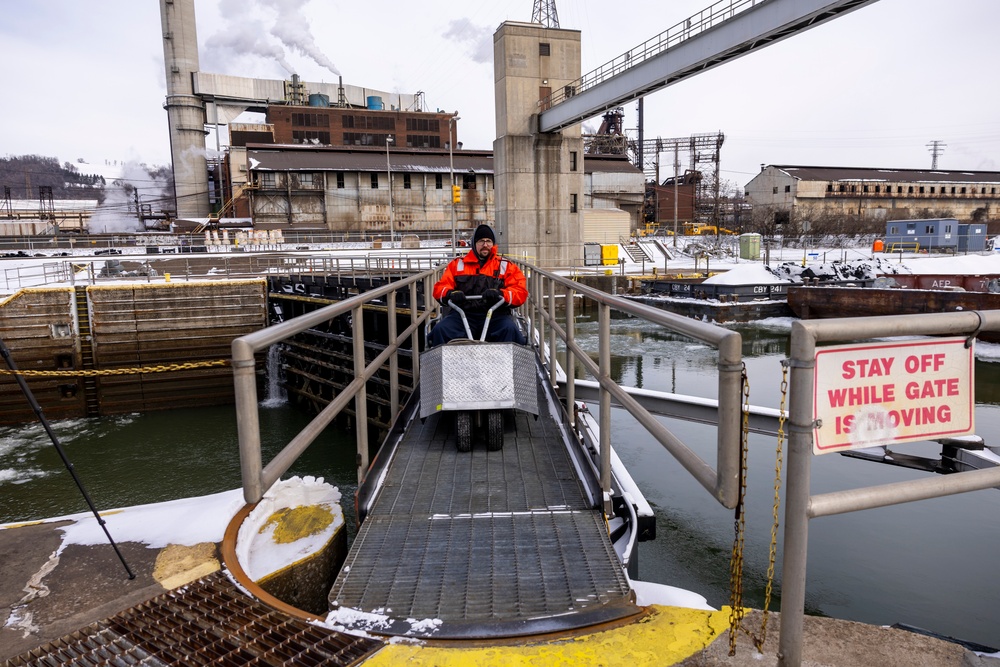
x=870, y=89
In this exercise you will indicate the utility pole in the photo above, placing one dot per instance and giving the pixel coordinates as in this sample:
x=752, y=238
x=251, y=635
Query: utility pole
x=388, y=167
x=936, y=147
x=677, y=168
x=451, y=169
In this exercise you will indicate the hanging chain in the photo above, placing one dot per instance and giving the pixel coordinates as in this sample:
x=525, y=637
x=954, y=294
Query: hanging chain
x=737, y=611
x=782, y=416
x=137, y=370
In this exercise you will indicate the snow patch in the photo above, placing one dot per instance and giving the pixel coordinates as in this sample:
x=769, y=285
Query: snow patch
x=258, y=553
x=648, y=592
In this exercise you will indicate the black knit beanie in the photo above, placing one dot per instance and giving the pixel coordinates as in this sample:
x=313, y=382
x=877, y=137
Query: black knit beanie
x=483, y=232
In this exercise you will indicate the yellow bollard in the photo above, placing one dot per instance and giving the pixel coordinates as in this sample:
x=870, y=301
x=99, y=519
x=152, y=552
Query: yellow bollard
x=166, y=277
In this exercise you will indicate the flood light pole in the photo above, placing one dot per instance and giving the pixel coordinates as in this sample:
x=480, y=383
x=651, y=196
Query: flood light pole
x=388, y=166
x=451, y=169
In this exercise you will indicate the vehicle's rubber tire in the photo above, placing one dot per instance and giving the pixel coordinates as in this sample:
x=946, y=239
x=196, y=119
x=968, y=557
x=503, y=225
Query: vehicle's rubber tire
x=494, y=430
x=463, y=431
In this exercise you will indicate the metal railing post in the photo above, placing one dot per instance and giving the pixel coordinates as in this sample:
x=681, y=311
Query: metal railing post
x=247, y=423
x=730, y=388
x=415, y=336
x=540, y=315
x=553, y=377
x=796, y=542
x=604, y=347
x=361, y=398
x=393, y=360
x=570, y=365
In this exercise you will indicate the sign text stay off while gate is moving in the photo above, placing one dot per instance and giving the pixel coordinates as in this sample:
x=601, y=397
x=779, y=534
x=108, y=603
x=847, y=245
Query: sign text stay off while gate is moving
x=878, y=394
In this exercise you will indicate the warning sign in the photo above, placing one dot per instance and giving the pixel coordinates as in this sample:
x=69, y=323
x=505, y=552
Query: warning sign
x=878, y=394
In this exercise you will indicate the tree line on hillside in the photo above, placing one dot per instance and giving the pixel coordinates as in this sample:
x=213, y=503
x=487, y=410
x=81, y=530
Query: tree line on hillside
x=25, y=174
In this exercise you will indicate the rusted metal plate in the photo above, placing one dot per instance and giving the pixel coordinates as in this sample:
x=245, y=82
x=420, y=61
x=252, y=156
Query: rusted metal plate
x=943, y=281
x=822, y=302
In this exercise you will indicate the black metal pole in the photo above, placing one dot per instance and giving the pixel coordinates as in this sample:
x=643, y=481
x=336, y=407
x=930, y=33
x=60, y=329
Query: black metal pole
x=62, y=454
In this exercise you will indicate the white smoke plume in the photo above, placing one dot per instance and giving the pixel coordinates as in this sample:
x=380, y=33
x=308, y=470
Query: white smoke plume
x=292, y=28
x=250, y=38
x=266, y=28
x=478, y=39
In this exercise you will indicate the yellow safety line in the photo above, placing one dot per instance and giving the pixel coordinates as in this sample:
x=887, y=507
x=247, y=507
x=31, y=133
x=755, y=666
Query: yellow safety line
x=666, y=636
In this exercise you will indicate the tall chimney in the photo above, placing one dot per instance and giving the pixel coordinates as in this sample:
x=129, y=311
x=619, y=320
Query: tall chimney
x=185, y=111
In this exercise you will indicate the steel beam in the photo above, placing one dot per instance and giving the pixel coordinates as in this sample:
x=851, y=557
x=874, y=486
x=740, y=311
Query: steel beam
x=726, y=32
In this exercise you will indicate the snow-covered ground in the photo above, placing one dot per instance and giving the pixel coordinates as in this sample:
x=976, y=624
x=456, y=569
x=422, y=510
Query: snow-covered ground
x=783, y=265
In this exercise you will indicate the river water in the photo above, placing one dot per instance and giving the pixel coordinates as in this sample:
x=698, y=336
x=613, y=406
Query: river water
x=930, y=564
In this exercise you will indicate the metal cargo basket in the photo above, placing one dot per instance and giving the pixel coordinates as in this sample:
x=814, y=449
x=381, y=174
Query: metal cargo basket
x=469, y=375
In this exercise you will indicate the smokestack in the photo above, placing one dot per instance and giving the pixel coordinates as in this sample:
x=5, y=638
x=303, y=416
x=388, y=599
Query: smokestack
x=185, y=110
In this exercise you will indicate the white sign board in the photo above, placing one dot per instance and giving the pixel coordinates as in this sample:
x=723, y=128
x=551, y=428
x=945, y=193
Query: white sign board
x=883, y=393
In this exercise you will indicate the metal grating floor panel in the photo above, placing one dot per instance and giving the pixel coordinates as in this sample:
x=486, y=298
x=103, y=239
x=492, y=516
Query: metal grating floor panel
x=208, y=622
x=532, y=471
x=486, y=543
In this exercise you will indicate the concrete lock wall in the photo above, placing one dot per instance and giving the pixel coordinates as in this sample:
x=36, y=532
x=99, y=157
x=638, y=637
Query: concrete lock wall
x=539, y=199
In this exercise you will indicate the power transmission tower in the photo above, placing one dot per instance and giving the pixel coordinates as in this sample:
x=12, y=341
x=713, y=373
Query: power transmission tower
x=544, y=12
x=936, y=148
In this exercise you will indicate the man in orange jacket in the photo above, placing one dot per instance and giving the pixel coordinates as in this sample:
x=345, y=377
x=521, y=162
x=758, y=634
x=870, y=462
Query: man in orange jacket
x=484, y=272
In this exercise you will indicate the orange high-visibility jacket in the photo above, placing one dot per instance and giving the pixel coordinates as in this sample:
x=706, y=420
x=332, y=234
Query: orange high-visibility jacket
x=466, y=274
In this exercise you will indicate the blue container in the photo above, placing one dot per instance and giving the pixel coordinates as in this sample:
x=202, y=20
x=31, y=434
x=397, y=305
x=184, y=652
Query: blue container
x=375, y=103
x=319, y=100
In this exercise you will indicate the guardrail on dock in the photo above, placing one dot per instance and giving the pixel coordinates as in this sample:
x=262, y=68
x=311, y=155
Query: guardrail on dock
x=800, y=505
x=723, y=481
x=257, y=477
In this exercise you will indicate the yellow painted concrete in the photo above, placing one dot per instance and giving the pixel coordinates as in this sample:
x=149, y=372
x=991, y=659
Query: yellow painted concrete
x=664, y=637
x=294, y=523
x=177, y=565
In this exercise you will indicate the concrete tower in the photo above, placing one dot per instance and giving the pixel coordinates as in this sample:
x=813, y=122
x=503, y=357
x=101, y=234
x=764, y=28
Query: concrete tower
x=539, y=177
x=185, y=111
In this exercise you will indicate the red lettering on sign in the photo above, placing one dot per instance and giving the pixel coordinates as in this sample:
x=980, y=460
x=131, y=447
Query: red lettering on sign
x=865, y=395
x=932, y=388
x=867, y=367
x=924, y=363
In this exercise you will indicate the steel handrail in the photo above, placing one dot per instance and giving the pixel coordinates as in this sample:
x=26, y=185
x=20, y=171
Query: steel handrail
x=800, y=505
x=257, y=477
x=723, y=481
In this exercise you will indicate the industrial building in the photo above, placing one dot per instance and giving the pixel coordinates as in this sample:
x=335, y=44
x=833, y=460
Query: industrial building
x=346, y=188
x=342, y=126
x=806, y=192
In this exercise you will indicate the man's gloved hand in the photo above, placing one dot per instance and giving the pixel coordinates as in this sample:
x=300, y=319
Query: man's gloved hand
x=456, y=297
x=491, y=296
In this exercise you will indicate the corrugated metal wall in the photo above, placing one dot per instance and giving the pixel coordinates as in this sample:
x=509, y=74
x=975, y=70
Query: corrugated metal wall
x=605, y=225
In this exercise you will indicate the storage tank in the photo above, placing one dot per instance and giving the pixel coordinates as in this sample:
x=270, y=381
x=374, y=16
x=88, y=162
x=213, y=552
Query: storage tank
x=319, y=100
x=375, y=102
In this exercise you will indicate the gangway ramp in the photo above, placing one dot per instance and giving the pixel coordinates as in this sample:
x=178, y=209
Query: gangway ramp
x=484, y=544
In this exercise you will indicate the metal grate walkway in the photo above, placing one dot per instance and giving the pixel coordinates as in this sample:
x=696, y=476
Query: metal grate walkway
x=485, y=543
x=208, y=622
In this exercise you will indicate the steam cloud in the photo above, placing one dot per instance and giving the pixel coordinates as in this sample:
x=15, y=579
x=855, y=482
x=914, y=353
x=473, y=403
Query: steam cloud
x=246, y=35
x=478, y=39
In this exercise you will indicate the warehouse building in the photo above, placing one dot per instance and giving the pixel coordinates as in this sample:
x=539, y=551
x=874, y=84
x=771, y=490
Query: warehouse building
x=806, y=192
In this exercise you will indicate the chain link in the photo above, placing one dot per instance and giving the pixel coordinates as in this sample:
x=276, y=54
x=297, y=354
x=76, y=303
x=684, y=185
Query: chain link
x=136, y=370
